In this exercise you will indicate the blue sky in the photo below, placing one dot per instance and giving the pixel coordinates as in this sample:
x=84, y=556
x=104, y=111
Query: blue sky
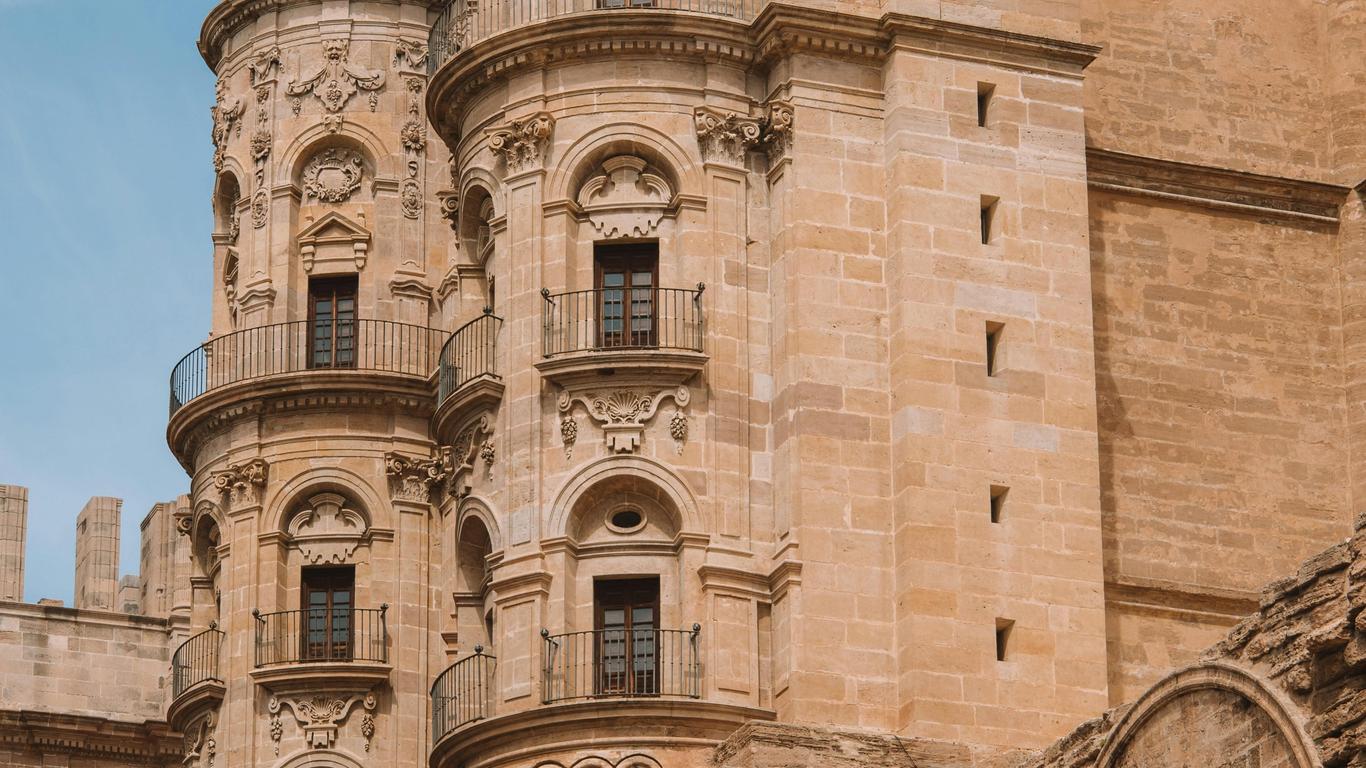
x=105, y=257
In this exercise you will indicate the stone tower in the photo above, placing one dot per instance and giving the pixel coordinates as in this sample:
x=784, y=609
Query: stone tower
x=97, y=554
x=13, y=526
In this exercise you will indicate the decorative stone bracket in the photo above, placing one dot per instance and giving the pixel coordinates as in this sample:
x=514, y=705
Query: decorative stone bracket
x=521, y=143
x=729, y=135
x=411, y=478
x=473, y=443
x=321, y=716
x=242, y=484
x=201, y=746
x=622, y=413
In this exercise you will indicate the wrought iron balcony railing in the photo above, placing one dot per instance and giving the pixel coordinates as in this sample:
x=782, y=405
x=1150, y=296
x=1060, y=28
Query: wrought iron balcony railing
x=312, y=635
x=608, y=319
x=609, y=663
x=463, y=693
x=470, y=353
x=360, y=345
x=196, y=661
x=465, y=22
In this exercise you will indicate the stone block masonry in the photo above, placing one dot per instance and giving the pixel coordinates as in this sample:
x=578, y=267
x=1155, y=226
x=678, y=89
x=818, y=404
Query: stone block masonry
x=97, y=554
x=13, y=527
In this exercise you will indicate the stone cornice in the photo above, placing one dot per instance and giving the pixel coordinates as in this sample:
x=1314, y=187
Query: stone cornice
x=1208, y=605
x=48, y=733
x=1269, y=197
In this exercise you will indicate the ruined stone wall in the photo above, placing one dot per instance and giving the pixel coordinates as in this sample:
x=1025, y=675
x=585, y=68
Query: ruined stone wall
x=13, y=525
x=97, y=554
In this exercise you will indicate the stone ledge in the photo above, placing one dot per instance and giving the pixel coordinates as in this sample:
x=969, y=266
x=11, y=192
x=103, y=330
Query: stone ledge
x=90, y=736
x=762, y=745
x=1267, y=197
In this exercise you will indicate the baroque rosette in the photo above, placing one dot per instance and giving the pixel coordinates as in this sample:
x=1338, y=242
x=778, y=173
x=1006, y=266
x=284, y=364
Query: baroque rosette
x=243, y=483
x=622, y=413
x=521, y=143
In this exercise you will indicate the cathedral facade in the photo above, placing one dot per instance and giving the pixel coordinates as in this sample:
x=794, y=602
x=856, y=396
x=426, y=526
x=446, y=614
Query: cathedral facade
x=678, y=383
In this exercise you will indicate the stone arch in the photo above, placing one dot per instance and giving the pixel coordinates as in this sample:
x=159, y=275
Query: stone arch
x=1213, y=676
x=301, y=487
x=479, y=205
x=476, y=507
x=681, y=167
x=642, y=469
x=324, y=758
x=309, y=141
x=228, y=194
x=473, y=545
x=206, y=534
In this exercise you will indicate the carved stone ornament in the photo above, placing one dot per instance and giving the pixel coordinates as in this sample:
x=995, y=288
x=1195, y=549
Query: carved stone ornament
x=334, y=229
x=522, y=142
x=412, y=479
x=321, y=716
x=242, y=484
x=472, y=443
x=410, y=197
x=727, y=136
x=261, y=141
x=263, y=67
x=336, y=82
x=411, y=54
x=622, y=413
x=225, y=113
x=414, y=136
x=327, y=532
x=333, y=175
x=569, y=434
x=260, y=208
x=625, y=200
x=678, y=430
x=201, y=744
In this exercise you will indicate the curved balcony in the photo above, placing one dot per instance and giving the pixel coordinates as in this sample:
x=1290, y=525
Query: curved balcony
x=301, y=356
x=467, y=373
x=653, y=333
x=463, y=23
x=621, y=663
x=195, y=679
x=321, y=647
x=463, y=693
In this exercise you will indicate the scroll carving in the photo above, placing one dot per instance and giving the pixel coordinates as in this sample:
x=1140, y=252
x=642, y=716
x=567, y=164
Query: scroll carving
x=201, y=744
x=242, y=484
x=320, y=717
x=225, y=114
x=727, y=136
x=327, y=532
x=472, y=444
x=335, y=83
x=622, y=413
x=333, y=175
x=412, y=479
x=522, y=143
x=625, y=200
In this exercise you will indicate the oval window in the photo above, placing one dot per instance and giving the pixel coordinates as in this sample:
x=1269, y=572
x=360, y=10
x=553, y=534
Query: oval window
x=626, y=521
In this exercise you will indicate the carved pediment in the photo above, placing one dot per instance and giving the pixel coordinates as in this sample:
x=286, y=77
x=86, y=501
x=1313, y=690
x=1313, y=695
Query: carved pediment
x=327, y=532
x=333, y=235
x=625, y=200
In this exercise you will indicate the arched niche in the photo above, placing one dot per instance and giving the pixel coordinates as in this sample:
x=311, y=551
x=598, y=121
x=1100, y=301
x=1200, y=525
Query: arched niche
x=227, y=198
x=473, y=608
x=623, y=509
x=1210, y=713
x=319, y=759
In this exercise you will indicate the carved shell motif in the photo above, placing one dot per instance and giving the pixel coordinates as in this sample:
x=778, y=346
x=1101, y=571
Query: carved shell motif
x=620, y=407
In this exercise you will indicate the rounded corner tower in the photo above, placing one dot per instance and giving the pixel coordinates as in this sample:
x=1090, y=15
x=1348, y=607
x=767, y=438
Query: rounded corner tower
x=577, y=394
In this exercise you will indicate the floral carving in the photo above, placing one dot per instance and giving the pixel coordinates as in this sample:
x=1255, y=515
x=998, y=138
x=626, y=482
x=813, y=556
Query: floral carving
x=414, y=136
x=522, y=142
x=320, y=716
x=333, y=175
x=411, y=199
x=458, y=459
x=200, y=745
x=242, y=483
x=260, y=208
x=367, y=729
x=778, y=128
x=225, y=113
x=260, y=145
x=264, y=66
x=410, y=53
x=412, y=479
x=622, y=413
x=336, y=82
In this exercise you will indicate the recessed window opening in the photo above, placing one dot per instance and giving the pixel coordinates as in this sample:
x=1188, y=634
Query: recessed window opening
x=332, y=322
x=998, y=502
x=627, y=624
x=328, y=601
x=988, y=222
x=984, y=93
x=627, y=283
x=1003, y=630
x=994, y=333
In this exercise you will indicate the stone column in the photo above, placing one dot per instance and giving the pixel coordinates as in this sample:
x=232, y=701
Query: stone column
x=13, y=527
x=97, y=554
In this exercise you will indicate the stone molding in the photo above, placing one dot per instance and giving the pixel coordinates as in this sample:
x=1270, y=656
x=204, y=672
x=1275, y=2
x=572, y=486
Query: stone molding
x=1268, y=197
x=90, y=737
x=521, y=143
x=328, y=531
x=1206, y=605
x=334, y=228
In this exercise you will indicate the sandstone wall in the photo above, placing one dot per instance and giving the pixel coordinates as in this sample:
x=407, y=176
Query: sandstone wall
x=84, y=663
x=1238, y=85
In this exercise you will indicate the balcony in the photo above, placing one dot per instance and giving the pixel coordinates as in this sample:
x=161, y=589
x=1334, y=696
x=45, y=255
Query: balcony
x=464, y=23
x=467, y=375
x=655, y=334
x=617, y=684
x=300, y=356
x=321, y=646
x=195, y=680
